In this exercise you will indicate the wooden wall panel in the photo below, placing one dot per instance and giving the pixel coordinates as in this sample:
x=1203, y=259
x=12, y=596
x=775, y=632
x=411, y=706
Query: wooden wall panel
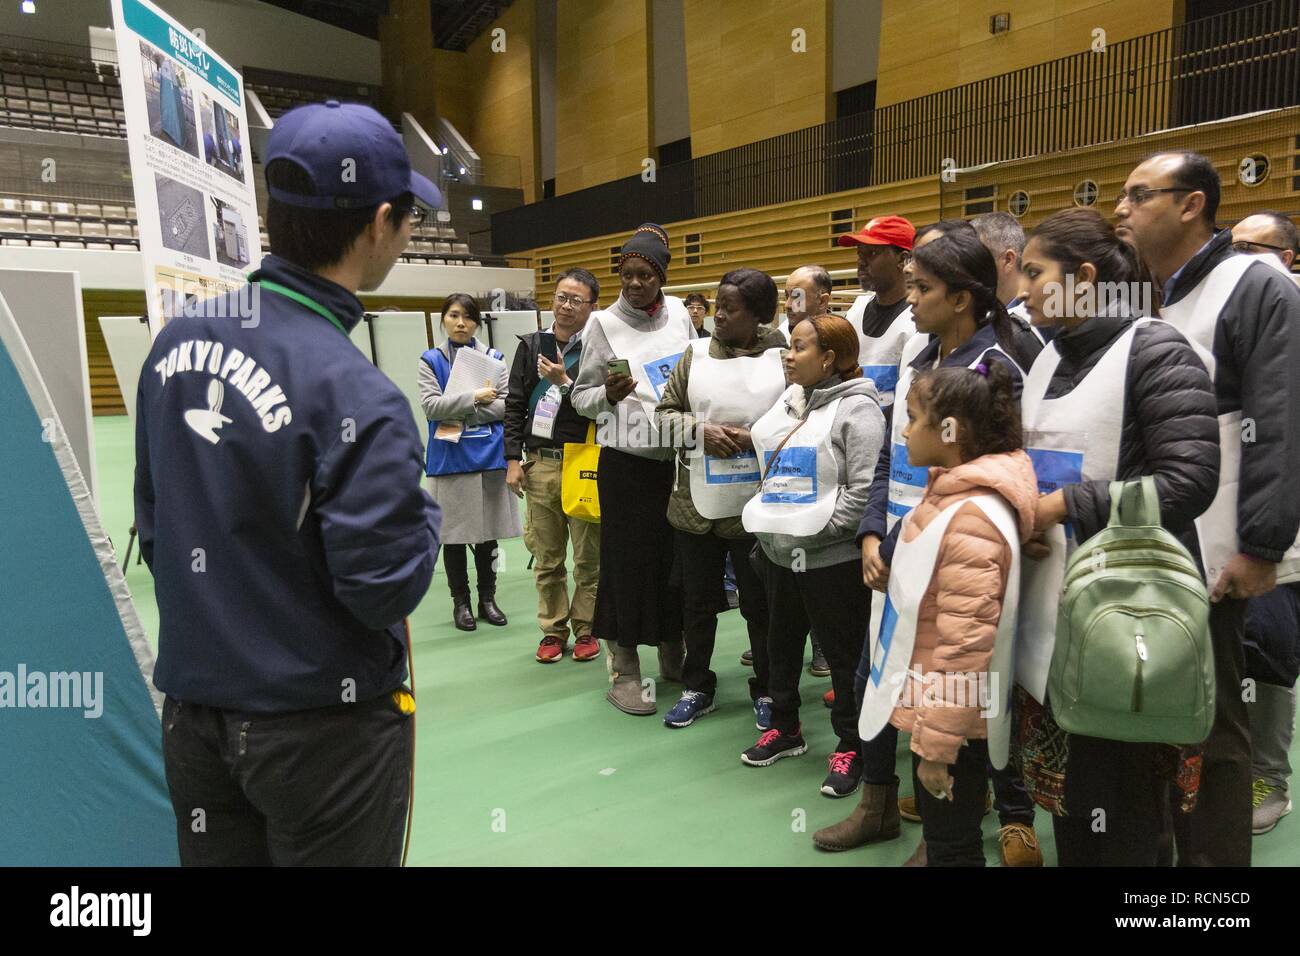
x=935, y=45
x=602, y=92
x=745, y=81
x=779, y=238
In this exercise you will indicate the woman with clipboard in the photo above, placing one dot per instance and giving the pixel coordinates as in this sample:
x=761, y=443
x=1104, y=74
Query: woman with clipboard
x=465, y=459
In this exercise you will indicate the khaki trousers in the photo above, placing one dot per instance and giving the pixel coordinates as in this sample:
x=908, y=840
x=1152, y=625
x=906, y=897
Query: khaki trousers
x=547, y=531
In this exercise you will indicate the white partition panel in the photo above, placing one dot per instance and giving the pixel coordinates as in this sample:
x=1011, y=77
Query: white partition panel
x=128, y=346
x=47, y=308
x=508, y=326
x=361, y=336
x=400, y=340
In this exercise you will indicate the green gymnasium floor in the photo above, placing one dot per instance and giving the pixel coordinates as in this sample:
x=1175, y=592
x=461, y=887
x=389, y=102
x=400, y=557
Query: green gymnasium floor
x=523, y=764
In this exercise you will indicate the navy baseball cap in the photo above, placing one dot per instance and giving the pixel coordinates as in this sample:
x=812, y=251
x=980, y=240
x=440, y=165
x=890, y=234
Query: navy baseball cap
x=353, y=156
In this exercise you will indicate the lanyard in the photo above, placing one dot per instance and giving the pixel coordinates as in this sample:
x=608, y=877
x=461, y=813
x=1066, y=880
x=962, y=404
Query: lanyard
x=304, y=301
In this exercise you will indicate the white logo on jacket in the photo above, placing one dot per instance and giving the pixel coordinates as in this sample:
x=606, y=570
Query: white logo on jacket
x=207, y=421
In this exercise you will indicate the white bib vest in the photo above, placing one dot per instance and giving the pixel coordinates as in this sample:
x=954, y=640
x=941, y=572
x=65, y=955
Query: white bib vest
x=879, y=356
x=652, y=355
x=891, y=649
x=797, y=497
x=1197, y=316
x=1070, y=439
x=733, y=391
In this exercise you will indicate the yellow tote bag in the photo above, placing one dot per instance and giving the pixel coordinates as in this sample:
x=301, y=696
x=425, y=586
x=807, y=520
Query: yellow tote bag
x=578, y=494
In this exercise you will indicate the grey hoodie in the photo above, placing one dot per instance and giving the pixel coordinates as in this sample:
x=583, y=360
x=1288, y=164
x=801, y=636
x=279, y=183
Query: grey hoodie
x=857, y=435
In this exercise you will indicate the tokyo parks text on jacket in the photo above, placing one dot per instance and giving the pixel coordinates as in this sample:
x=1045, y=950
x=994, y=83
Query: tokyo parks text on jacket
x=278, y=500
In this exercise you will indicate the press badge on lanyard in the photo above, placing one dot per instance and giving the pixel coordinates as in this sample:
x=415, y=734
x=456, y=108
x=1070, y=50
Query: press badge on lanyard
x=548, y=407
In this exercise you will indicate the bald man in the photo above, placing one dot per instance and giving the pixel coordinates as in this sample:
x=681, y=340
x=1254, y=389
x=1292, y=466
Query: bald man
x=1268, y=233
x=807, y=292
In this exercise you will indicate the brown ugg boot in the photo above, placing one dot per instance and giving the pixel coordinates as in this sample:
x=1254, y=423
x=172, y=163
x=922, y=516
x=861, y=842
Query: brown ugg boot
x=626, y=694
x=873, y=820
x=672, y=655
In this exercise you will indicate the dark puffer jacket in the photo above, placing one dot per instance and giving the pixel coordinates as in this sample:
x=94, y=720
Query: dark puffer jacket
x=1169, y=427
x=1257, y=350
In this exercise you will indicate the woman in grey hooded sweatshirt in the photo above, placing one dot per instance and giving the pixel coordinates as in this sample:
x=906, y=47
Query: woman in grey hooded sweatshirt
x=819, y=445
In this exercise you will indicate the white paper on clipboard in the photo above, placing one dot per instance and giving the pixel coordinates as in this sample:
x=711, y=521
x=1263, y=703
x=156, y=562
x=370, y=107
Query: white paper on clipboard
x=471, y=371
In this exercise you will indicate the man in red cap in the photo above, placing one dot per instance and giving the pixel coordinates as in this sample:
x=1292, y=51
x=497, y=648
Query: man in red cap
x=881, y=316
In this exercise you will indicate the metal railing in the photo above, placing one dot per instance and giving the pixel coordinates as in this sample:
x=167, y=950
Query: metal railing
x=1225, y=65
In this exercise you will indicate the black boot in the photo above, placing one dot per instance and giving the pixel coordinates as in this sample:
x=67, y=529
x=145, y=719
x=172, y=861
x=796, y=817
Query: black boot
x=462, y=615
x=488, y=610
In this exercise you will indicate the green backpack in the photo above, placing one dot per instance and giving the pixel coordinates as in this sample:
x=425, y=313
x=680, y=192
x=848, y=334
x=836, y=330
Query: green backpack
x=1132, y=659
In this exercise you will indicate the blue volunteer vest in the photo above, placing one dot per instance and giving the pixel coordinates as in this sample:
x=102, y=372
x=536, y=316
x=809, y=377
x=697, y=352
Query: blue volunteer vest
x=481, y=447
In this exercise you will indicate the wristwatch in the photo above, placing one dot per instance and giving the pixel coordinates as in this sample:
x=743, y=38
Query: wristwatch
x=564, y=390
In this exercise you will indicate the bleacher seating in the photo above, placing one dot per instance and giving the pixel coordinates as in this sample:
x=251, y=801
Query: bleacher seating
x=60, y=92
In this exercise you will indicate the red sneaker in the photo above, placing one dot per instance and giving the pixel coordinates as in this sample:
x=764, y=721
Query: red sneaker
x=586, y=648
x=551, y=649
x=828, y=698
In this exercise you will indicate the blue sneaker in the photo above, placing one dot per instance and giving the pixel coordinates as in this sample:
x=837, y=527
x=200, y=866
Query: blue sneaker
x=763, y=713
x=694, y=703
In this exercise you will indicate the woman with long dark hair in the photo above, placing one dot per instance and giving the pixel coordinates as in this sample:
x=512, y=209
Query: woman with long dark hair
x=961, y=323
x=1114, y=396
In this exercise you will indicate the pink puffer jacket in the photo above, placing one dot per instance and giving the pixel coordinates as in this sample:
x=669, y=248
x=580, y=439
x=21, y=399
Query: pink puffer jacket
x=959, y=614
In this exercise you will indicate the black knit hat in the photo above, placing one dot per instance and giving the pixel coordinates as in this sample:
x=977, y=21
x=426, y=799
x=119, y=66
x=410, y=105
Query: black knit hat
x=656, y=229
x=647, y=245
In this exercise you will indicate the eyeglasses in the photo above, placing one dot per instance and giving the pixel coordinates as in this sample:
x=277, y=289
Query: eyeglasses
x=416, y=213
x=563, y=298
x=1140, y=194
x=1245, y=245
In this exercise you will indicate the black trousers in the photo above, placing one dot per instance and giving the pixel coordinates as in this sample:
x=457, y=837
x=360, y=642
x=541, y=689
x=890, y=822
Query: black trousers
x=455, y=563
x=1217, y=832
x=637, y=601
x=835, y=604
x=702, y=559
x=325, y=787
x=1117, y=800
x=951, y=828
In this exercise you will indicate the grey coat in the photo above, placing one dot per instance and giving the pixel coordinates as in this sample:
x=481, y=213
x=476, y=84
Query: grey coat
x=477, y=506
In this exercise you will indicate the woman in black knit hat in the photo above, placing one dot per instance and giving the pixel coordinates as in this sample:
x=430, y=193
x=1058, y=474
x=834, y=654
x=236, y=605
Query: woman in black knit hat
x=635, y=600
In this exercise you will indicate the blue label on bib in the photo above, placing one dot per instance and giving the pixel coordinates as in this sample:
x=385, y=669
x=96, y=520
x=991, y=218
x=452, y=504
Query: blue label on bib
x=741, y=467
x=792, y=478
x=658, y=370
x=1056, y=469
x=884, y=376
x=903, y=472
x=888, y=621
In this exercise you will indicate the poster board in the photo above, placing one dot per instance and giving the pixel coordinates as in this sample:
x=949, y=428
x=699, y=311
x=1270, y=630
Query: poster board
x=46, y=305
x=128, y=343
x=191, y=165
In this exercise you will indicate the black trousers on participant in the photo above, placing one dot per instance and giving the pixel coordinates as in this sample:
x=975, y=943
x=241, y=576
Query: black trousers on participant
x=1116, y=795
x=326, y=787
x=834, y=603
x=951, y=828
x=702, y=558
x=1217, y=832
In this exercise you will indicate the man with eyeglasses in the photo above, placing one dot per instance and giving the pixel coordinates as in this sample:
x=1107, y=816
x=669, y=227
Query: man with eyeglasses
x=1269, y=233
x=540, y=419
x=1242, y=315
x=279, y=501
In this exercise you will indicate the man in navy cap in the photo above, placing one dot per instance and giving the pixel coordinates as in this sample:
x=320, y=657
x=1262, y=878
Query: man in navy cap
x=280, y=510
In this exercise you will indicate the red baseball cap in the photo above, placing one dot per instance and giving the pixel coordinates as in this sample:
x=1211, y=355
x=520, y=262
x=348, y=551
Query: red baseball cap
x=883, y=231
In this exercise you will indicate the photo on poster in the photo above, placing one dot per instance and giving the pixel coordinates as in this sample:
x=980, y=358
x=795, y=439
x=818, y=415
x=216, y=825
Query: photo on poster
x=223, y=140
x=180, y=289
x=182, y=217
x=169, y=100
x=229, y=234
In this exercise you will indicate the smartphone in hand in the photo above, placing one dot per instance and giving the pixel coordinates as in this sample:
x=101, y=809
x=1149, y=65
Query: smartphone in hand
x=546, y=346
x=620, y=367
